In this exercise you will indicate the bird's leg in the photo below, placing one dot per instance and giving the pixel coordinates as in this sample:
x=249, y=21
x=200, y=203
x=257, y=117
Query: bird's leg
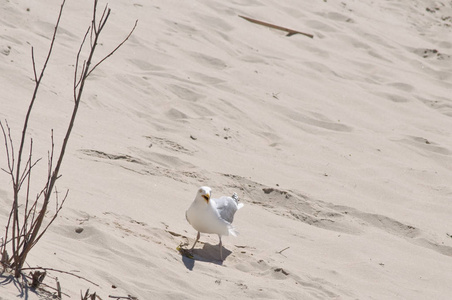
x=221, y=247
x=197, y=238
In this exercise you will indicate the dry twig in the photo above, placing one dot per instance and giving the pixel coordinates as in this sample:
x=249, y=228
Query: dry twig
x=128, y=297
x=290, y=32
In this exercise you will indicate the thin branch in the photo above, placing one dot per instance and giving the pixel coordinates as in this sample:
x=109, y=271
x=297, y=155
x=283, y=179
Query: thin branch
x=51, y=221
x=38, y=81
x=80, y=80
x=24, y=227
x=7, y=231
x=280, y=252
x=19, y=259
x=8, y=145
x=77, y=82
x=10, y=240
x=34, y=206
x=92, y=34
x=24, y=236
x=34, y=64
x=85, y=74
x=290, y=32
x=128, y=297
x=94, y=18
x=56, y=199
x=103, y=19
x=11, y=144
x=27, y=172
x=24, y=172
x=58, y=207
x=111, y=53
x=50, y=157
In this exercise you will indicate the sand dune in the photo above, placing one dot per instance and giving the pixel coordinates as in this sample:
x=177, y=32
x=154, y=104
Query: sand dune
x=340, y=147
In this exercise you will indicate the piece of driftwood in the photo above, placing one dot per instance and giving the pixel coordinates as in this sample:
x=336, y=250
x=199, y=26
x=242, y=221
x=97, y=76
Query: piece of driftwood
x=290, y=32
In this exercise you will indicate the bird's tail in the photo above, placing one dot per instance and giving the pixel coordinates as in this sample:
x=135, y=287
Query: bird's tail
x=232, y=231
x=236, y=199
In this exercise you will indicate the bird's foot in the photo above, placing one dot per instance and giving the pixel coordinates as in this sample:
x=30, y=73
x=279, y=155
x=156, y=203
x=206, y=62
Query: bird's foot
x=185, y=252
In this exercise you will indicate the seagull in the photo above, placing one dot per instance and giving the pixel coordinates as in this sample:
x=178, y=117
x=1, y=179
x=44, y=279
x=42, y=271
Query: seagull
x=209, y=215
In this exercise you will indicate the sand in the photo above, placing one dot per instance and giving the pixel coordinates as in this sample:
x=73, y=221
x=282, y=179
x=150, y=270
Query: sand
x=339, y=146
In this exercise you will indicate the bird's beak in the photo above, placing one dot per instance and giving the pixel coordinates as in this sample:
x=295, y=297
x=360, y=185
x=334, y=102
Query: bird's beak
x=206, y=197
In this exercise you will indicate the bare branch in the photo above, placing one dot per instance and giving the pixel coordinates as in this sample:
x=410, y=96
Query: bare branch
x=58, y=207
x=7, y=172
x=24, y=227
x=37, y=85
x=94, y=18
x=91, y=35
x=50, y=157
x=77, y=82
x=7, y=231
x=128, y=297
x=103, y=19
x=32, y=210
x=111, y=53
x=24, y=233
x=27, y=171
x=51, y=221
x=8, y=145
x=34, y=64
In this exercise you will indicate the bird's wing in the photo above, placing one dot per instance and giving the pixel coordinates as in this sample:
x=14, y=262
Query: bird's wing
x=226, y=207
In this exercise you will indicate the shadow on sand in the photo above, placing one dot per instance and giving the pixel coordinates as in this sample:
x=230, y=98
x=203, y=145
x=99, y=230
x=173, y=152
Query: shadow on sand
x=21, y=285
x=209, y=253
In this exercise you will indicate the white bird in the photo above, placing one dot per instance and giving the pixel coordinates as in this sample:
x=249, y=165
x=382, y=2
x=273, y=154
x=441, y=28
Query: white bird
x=209, y=215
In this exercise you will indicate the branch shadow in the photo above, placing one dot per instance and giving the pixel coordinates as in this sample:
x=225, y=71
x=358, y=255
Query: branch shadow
x=21, y=285
x=24, y=288
x=208, y=253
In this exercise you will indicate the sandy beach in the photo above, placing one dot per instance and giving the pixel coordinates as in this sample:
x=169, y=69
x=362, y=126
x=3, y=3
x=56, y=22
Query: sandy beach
x=339, y=146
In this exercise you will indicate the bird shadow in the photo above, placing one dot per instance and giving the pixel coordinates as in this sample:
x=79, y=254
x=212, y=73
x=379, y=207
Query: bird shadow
x=208, y=253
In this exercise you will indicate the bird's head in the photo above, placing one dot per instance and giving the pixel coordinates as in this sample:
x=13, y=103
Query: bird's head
x=204, y=192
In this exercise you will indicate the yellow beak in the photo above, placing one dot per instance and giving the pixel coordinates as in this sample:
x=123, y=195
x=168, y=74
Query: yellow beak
x=207, y=197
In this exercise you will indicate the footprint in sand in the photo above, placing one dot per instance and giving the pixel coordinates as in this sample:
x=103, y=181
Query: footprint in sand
x=425, y=145
x=167, y=144
x=443, y=105
x=207, y=60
